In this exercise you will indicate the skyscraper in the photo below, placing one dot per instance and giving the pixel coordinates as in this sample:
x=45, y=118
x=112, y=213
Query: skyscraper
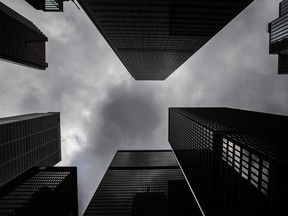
x=143, y=183
x=47, y=5
x=26, y=141
x=41, y=191
x=278, y=30
x=20, y=40
x=154, y=38
x=235, y=161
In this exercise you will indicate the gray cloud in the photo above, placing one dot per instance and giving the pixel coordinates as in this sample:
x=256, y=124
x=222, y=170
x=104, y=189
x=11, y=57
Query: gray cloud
x=129, y=116
x=127, y=119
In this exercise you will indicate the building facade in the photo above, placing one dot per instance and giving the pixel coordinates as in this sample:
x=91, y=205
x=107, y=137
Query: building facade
x=278, y=30
x=235, y=161
x=41, y=191
x=21, y=41
x=143, y=183
x=154, y=38
x=26, y=141
x=47, y=5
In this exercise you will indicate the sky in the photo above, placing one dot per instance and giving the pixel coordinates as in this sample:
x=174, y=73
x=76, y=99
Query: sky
x=103, y=109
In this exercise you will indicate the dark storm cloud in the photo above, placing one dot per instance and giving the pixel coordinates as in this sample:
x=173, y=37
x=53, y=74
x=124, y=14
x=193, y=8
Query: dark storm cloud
x=129, y=116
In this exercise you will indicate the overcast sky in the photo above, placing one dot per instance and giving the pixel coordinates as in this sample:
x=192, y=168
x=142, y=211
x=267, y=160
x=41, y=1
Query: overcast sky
x=104, y=109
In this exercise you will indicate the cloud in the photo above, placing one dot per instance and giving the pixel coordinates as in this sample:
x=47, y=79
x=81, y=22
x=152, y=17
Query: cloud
x=60, y=29
x=127, y=119
x=129, y=116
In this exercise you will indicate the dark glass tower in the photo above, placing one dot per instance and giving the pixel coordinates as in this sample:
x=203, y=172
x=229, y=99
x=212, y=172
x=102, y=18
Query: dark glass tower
x=47, y=5
x=41, y=191
x=21, y=41
x=235, y=161
x=278, y=30
x=27, y=141
x=143, y=183
x=154, y=38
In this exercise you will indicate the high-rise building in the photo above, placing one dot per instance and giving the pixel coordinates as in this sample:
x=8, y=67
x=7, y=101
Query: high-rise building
x=143, y=183
x=26, y=141
x=154, y=38
x=278, y=30
x=41, y=191
x=21, y=41
x=234, y=160
x=47, y=5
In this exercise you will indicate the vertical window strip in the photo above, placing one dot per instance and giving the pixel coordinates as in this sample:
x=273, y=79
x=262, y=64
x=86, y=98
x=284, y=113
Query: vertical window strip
x=249, y=165
x=224, y=149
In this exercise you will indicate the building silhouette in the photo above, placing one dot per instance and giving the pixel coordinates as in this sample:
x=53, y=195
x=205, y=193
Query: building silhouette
x=41, y=191
x=234, y=160
x=143, y=183
x=278, y=30
x=47, y=5
x=21, y=41
x=154, y=38
x=26, y=141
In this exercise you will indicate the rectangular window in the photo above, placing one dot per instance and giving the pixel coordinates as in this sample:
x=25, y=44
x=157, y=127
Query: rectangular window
x=255, y=171
x=254, y=183
x=264, y=185
x=237, y=159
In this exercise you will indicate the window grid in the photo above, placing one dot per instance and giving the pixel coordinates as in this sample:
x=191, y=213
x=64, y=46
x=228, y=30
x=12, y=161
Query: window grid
x=27, y=46
x=26, y=141
x=117, y=189
x=248, y=165
x=145, y=34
